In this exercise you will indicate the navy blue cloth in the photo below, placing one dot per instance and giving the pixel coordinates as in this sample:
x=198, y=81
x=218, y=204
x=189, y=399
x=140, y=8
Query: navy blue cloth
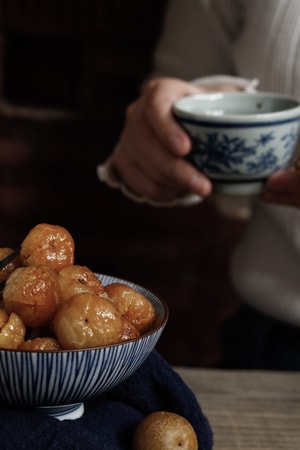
x=110, y=419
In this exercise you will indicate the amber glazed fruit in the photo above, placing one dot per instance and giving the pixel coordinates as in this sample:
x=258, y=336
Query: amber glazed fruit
x=33, y=293
x=48, y=244
x=85, y=321
x=164, y=430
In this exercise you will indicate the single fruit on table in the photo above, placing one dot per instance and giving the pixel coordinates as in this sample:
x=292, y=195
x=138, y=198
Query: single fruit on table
x=163, y=430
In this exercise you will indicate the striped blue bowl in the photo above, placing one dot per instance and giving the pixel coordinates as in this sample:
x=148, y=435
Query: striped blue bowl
x=59, y=382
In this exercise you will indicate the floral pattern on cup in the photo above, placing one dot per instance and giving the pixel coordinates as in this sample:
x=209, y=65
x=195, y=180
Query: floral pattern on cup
x=221, y=153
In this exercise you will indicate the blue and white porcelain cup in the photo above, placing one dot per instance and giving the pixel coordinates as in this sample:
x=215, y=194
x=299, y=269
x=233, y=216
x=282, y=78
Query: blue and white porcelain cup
x=238, y=138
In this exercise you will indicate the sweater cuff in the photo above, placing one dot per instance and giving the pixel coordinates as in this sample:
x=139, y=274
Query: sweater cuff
x=107, y=175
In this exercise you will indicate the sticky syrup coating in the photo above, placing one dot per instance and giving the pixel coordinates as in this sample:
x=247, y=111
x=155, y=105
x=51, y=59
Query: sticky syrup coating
x=132, y=305
x=12, y=333
x=50, y=245
x=129, y=330
x=33, y=293
x=35, y=297
x=3, y=317
x=40, y=344
x=11, y=266
x=87, y=320
x=77, y=279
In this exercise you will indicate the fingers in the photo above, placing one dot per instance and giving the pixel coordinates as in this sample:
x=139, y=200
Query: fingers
x=150, y=170
x=174, y=174
x=160, y=96
x=283, y=188
x=281, y=198
x=149, y=157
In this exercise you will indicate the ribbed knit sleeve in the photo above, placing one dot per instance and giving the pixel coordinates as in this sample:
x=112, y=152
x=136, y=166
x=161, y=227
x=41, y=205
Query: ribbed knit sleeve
x=269, y=45
x=197, y=38
x=251, y=39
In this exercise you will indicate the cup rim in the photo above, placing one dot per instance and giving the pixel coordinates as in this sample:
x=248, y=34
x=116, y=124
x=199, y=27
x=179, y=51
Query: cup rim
x=181, y=113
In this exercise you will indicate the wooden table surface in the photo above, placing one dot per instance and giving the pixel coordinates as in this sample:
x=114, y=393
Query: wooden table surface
x=248, y=409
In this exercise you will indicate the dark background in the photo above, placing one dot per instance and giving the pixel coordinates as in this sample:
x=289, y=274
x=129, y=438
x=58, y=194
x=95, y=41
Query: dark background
x=68, y=69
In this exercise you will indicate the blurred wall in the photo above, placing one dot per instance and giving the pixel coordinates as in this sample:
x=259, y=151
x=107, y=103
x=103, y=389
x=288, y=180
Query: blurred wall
x=67, y=71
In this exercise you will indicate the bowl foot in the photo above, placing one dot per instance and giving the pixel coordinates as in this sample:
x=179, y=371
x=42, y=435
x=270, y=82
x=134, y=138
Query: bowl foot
x=64, y=412
x=238, y=188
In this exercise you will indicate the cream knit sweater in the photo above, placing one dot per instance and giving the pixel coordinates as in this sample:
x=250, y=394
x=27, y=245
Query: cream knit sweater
x=251, y=39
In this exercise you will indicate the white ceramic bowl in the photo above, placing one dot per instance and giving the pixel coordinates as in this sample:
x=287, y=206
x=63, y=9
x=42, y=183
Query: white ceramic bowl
x=59, y=382
x=239, y=139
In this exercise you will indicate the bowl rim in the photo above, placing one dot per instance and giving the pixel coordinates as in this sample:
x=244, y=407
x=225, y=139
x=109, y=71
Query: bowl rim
x=152, y=330
x=282, y=116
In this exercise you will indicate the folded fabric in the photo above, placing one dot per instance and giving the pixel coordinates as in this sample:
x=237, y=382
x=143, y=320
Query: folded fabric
x=110, y=419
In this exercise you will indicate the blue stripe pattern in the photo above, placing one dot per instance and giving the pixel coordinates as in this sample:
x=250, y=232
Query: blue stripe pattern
x=39, y=378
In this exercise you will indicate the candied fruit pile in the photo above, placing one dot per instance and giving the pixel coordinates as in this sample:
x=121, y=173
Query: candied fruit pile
x=49, y=303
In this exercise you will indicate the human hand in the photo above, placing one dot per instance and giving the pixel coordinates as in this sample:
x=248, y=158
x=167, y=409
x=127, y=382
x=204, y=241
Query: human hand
x=283, y=188
x=149, y=157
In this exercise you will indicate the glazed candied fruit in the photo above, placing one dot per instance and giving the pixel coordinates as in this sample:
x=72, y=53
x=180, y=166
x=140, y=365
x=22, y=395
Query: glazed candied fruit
x=33, y=293
x=50, y=245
